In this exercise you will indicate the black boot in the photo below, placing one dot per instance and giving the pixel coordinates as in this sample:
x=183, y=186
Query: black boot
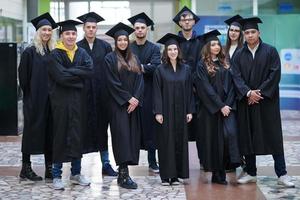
x=124, y=179
x=48, y=172
x=28, y=174
x=218, y=178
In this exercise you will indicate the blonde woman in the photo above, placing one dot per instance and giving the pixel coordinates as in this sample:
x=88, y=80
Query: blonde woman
x=37, y=134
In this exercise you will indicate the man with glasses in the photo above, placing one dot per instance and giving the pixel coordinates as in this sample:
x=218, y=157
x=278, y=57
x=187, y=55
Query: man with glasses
x=191, y=48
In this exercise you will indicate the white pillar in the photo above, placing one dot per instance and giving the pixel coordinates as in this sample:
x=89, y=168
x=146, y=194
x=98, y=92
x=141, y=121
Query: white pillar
x=255, y=7
x=24, y=22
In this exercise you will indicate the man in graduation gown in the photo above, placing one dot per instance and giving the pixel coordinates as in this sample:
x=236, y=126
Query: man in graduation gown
x=97, y=94
x=190, y=48
x=69, y=66
x=256, y=74
x=149, y=56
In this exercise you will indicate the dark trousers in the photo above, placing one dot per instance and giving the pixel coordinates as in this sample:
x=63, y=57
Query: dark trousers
x=279, y=165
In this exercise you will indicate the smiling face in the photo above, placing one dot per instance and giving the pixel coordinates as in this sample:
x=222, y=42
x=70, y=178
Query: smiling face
x=140, y=30
x=215, y=48
x=45, y=33
x=90, y=29
x=122, y=42
x=234, y=32
x=69, y=38
x=172, y=51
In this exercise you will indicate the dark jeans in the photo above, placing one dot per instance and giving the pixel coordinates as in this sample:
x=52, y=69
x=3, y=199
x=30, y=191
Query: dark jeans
x=151, y=157
x=75, y=168
x=279, y=165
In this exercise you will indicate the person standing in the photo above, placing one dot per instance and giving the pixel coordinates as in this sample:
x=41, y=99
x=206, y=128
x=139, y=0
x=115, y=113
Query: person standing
x=214, y=86
x=69, y=67
x=173, y=105
x=191, y=47
x=126, y=86
x=33, y=78
x=149, y=56
x=256, y=74
x=97, y=94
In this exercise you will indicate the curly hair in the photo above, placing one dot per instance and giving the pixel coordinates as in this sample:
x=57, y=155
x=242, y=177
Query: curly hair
x=207, y=59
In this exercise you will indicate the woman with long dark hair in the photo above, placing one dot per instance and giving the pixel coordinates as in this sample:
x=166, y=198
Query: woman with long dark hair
x=173, y=106
x=125, y=85
x=33, y=77
x=215, y=89
x=235, y=38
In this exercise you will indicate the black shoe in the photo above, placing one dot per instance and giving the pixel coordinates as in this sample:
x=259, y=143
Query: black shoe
x=165, y=182
x=28, y=174
x=108, y=170
x=125, y=181
x=48, y=173
x=174, y=181
x=218, y=178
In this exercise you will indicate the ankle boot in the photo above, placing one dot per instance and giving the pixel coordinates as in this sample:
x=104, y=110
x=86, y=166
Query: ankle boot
x=28, y=174
x=217, y=178
x=124, y=179
x=48, y=172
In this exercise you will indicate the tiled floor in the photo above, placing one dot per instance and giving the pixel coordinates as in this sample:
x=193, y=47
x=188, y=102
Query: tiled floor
x=197, y=187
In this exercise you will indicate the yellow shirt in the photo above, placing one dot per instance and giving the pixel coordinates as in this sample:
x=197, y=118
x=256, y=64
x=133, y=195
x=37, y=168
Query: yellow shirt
x=70, y=53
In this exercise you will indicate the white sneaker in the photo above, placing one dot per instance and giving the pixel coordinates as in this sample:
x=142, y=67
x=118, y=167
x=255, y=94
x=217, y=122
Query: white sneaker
x=79, y=180
x=57, y=184
x=286, y=181
x=247, y=179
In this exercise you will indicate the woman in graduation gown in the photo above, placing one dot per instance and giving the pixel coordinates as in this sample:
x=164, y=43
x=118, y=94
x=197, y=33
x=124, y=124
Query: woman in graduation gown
x=215, y=88
x=125, y=85
x=235, y=38
x=173, y=105
x=33, y=78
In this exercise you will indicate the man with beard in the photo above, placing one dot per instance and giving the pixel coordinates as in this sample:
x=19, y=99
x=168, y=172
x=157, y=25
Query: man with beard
x=191, y=48
x=149, y=56
x=97, y=95
x=256, y=74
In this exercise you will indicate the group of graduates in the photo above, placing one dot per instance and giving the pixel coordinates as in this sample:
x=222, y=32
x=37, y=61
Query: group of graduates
x=227, y=100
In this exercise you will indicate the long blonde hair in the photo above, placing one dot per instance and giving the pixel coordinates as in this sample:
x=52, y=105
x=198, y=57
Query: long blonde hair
x=38, y=44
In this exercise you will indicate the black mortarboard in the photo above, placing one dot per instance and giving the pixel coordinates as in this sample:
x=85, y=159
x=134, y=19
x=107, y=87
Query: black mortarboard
x=211, y=35
x=250, y=23
x=42, y=20
x=170, y=38
x=68, y=25
x=142, y=18
x=119, y=29
x=234, y=21
x=185, y=10
x=90, y=17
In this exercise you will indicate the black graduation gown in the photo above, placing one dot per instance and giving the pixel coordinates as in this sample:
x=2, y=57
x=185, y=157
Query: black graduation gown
x=259, y=124
x=172, y=97
x=149, y=56
x=97, y=98
x=218, y=136
x=33, y=78
x=66, y=83
x=191, y=55
x=125, y=128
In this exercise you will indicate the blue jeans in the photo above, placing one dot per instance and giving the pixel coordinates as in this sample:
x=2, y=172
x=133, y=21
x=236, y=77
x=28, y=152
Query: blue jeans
x=104, y=157
x=279, y=165
x=75, y=168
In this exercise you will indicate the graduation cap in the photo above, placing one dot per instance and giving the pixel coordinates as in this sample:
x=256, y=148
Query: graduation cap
x=170, y=38
x=119, y=29
x=250, y=23
x=234, y=21
x=68, y=25
x=142, y=18
x=90, y=17
x=43, y=20
x=211, y=35
x=184, y=11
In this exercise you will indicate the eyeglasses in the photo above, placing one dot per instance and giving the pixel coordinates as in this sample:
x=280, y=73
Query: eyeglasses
x=234, y=30
x=186, y=20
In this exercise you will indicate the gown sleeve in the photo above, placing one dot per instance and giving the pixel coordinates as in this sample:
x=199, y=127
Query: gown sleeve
x=154, y=62
x=157, y=90
x=190, y=107
x=25, y=72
